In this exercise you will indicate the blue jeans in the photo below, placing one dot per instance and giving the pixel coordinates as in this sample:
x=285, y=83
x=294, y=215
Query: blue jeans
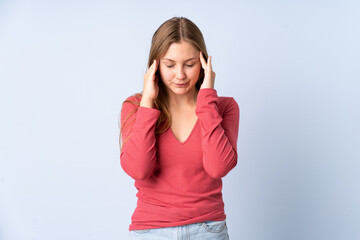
x=208, y=230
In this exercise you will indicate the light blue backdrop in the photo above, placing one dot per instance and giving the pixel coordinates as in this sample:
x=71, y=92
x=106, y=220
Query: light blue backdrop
x=292, y=66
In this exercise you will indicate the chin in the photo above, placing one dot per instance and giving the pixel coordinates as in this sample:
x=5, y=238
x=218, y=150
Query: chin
x=180, y=91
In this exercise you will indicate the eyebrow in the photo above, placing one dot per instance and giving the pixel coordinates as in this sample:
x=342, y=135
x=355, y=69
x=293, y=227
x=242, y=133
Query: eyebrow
x=168, y=59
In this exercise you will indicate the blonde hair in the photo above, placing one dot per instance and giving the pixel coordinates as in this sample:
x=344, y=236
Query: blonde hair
x=174, y=30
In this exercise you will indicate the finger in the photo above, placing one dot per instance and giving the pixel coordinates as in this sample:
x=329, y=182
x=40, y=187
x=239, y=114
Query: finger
x=202, y=60
x=154, y=65
x=209, y=63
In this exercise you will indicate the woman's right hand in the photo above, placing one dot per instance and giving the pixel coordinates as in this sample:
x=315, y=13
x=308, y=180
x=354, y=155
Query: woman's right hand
x=151, y=87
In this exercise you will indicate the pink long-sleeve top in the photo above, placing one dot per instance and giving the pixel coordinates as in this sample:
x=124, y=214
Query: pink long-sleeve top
x=180, y=183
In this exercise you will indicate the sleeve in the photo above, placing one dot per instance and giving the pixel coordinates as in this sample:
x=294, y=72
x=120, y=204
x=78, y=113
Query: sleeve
x=138, y=155
x=219, y=134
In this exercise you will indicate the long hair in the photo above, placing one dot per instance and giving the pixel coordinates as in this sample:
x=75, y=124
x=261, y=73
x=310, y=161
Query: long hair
x=174, y=30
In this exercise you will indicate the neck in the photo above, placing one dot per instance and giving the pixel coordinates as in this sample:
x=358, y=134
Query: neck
x=183, y=101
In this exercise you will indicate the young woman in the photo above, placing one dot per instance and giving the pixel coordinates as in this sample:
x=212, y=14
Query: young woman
x=179, y=139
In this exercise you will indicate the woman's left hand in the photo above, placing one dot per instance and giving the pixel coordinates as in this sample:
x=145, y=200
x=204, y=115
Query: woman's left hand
x=209, y=78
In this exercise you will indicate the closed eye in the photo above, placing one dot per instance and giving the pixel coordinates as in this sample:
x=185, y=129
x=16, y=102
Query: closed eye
x=188, y=65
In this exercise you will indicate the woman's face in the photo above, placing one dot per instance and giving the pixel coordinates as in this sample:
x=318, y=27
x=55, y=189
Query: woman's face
x=180, y=68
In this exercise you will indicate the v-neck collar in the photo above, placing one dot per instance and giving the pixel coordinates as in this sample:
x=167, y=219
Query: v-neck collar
x=191, y=133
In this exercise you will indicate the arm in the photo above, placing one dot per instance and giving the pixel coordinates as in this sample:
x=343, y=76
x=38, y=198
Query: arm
x=219, y=134
x=138, y=155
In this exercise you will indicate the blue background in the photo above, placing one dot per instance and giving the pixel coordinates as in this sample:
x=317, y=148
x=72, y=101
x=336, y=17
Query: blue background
x=292, y=66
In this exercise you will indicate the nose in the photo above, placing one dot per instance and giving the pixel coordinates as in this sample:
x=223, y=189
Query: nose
x=180, y=74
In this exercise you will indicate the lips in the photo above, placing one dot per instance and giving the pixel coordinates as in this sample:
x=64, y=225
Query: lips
x=180, y=84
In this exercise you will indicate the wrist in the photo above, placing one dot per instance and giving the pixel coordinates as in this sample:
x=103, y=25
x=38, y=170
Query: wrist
x=147, y=103
x=206, y=86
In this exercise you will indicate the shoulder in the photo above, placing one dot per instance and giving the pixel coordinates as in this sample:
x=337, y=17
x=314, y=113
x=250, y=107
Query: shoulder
x=130, y=104
x=227, y=103
x=133, y=100
x=136, y=97
x=222, y=101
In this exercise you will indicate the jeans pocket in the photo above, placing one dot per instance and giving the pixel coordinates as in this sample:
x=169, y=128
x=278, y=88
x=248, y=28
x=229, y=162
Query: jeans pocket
x=214, y=226
x=141, y=231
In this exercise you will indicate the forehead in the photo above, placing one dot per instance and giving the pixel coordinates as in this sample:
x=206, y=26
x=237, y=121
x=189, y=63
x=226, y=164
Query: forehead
x=181, y=51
